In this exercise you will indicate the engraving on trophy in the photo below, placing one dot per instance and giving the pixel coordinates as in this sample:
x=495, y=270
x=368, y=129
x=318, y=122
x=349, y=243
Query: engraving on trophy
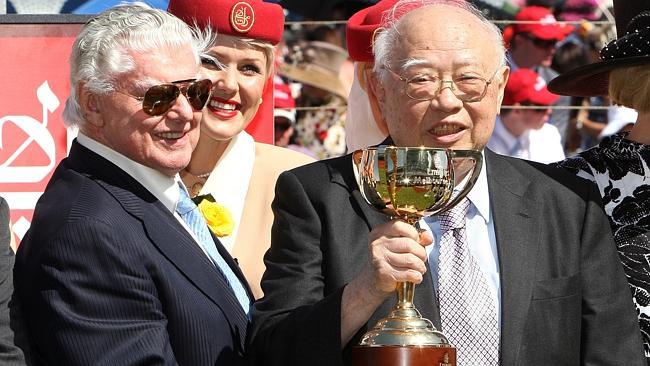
x=445, y=360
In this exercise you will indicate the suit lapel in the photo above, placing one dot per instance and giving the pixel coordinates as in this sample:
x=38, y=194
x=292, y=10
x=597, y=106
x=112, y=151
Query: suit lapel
x=425, y=300
x=178, y=246
x=517, y=230
x=342, y=173
x=164, y=231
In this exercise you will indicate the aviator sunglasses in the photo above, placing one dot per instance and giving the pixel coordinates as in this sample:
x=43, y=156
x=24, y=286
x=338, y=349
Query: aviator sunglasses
x=158, y=99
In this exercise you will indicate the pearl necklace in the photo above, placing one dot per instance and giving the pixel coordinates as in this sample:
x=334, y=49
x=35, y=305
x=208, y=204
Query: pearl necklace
x=204, y=175
x=196, y=187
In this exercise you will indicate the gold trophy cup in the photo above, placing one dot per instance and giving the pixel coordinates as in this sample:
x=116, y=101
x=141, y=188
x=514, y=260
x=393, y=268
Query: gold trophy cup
x=410, y=183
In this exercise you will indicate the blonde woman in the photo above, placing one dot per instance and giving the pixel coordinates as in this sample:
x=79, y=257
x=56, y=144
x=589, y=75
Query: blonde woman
x=227, y=163
x=620, y=164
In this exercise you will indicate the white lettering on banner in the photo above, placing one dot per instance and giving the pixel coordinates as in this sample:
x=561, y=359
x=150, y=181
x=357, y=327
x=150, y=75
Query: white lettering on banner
x=37, y=132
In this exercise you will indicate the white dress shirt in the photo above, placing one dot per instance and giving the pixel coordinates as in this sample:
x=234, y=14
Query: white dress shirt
x=543, y=145
x=480, y=238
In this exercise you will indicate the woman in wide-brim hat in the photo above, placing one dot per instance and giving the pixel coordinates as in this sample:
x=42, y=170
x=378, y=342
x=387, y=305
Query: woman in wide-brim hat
x=227, y=163
x=620, y=164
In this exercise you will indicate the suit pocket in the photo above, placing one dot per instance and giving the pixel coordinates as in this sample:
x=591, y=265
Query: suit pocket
x=556, y=287
x=552, y=332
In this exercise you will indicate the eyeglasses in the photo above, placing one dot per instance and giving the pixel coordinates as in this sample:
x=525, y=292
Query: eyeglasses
x=538, y=42
x=424, y=87
x=158, y=99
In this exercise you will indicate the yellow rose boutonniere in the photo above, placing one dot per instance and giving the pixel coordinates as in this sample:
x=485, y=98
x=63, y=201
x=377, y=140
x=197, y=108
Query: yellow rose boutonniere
x=217, y=216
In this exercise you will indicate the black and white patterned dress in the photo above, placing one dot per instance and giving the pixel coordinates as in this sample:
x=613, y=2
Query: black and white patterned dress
x=621, y=168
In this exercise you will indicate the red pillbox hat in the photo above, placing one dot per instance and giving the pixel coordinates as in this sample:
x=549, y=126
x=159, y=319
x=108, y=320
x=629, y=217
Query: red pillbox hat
x=360, y=30
x=248, y=19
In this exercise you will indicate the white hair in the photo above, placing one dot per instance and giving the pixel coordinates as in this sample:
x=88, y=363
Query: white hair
x=101, y=51
x=388, y=39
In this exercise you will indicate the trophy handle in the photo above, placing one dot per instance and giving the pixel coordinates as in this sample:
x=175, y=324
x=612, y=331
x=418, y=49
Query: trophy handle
x=477, y=157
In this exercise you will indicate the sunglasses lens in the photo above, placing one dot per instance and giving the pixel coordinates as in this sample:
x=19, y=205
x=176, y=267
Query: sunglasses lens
x=158, y=99
x=198, y=93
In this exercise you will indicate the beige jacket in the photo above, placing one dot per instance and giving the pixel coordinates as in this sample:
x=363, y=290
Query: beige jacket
x=253, y=234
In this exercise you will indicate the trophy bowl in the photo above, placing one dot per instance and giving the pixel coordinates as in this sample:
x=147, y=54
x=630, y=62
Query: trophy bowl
x=411, y=183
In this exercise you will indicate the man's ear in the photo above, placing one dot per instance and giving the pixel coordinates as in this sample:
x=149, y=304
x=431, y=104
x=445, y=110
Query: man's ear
x=503, y=80
x=376, y=98
x=89, y=104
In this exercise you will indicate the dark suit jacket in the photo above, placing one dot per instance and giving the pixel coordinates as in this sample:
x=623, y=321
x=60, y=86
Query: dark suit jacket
x=10, y=354
x=107, y=276
x=564, y=298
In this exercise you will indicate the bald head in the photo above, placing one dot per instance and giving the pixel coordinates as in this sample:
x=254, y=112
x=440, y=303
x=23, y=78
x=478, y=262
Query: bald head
x=413, y=23
x=439, y=74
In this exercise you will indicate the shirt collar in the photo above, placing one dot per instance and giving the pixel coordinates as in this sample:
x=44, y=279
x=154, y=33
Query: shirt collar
x=163, y=187
x=500, y=130
x=509, y=140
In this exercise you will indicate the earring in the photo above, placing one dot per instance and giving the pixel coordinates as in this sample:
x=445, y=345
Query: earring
x=261, y=100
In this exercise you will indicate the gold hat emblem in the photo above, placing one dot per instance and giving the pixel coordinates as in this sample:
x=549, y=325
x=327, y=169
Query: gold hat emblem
x=242, y=17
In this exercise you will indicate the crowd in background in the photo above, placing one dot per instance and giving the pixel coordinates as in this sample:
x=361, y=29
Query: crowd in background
x=314, y=76
x=135, y=244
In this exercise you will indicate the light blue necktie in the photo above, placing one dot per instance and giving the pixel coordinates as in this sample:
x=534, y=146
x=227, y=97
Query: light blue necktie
x=194, y=220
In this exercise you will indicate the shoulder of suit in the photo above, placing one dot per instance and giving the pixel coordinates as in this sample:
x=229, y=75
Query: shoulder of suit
x=545, y=177
x=316, y=174
x=280, y=157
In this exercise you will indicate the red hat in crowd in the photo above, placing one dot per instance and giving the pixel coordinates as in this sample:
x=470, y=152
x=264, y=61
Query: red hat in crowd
x=630, y=48
x=539, y=22
x=284, y=102
x=575, y=10
x=360, y=30
x=249, y=19
x=524, y=85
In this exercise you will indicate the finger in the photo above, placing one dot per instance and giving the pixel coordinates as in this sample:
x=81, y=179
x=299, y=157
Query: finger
x=405, y=262
x=388, y=279
x=383, y=246
x=409, y=276
x=425, y=238
x=393, y=229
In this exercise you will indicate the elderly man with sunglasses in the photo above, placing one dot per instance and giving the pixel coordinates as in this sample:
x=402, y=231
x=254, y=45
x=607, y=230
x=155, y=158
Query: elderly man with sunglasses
x=528, y=276
x=119, y=267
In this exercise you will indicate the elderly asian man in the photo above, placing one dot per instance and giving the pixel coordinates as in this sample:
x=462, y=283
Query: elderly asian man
x=552, y=291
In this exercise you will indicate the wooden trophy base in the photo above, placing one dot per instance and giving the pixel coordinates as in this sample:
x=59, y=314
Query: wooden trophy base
x=403, y=356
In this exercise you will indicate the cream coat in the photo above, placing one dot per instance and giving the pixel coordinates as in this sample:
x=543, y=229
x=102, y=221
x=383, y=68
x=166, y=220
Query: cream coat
x=253, y=236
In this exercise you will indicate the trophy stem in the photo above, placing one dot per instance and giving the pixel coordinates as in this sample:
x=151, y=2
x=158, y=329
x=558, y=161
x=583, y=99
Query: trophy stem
x=405, y=294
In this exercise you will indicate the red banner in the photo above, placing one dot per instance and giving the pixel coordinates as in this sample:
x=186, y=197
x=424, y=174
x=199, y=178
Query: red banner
x=33, y=138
